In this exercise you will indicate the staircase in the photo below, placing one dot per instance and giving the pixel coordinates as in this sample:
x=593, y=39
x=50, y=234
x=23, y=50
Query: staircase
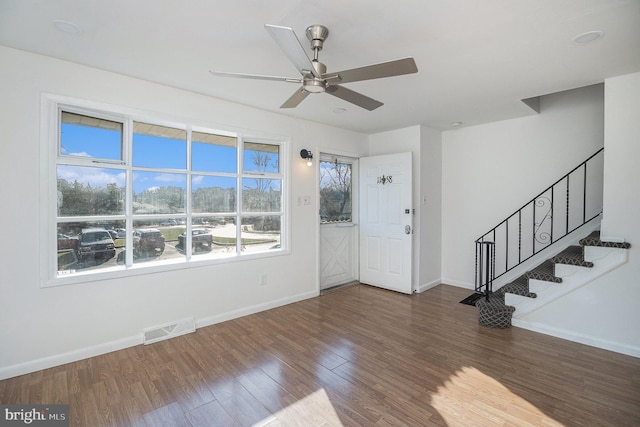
x=570, y=269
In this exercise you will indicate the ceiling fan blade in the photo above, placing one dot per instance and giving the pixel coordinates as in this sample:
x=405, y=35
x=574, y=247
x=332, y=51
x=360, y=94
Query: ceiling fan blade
x=295, y=99
x=375, y=71
x=256, y=76
x=354, y=97
x=290, y=45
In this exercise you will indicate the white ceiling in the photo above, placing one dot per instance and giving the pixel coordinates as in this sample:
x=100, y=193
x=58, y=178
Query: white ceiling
x=476, y=59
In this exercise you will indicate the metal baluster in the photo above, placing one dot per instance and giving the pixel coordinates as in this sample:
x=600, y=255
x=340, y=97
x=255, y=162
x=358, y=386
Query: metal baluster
x=476, y=273
x=584, y=195
x=533, y=206
x=506, y=251
x=552, y=211
x=481, y=260
x=567, y=219
x=519, y=236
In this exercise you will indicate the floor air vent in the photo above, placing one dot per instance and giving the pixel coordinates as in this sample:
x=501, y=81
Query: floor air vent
x=170, y=330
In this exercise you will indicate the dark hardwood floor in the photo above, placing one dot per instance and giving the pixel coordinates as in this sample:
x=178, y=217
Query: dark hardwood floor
x=355, y=356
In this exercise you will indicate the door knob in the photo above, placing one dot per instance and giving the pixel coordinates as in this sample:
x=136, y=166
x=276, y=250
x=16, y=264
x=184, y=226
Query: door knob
x=407, y=229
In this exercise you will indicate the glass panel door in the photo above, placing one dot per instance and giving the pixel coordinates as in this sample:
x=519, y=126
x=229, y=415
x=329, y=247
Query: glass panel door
x=338, y=231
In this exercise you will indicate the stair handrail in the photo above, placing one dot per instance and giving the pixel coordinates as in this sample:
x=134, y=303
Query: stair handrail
x=544, y=231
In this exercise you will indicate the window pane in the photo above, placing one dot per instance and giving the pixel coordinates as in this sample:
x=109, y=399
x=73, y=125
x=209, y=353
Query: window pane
x=159, y=146
x=156, y=239
x=89, y=245
x=261, y=157
x=261, y=195
x=335, y=191
x=260, y=233
x=219, y=231
x=90, y=191
x=213, y=153
x=159, y=193
x=85, y=136
x=213, y=194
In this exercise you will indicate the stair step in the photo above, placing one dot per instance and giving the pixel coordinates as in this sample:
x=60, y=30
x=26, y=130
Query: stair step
x=545, y=271
x=520, y=286
x=494, y=313
x=593, y=239
x=573, y=255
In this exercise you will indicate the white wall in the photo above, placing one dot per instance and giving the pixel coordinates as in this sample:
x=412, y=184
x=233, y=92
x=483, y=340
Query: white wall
x=605, y=312
x=489, y=171
x=425, y=144
x=430, y=207
x=45, y=327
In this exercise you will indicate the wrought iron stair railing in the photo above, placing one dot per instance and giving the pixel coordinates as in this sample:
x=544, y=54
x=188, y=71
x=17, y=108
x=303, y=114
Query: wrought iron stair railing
x=566, y=205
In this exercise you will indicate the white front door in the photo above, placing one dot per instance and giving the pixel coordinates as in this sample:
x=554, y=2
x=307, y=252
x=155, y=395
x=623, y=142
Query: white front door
x=386, y=214
x=338, y=226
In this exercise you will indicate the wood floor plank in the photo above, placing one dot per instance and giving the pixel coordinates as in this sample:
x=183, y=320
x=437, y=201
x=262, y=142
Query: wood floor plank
x=211, y=414
x=355, y=356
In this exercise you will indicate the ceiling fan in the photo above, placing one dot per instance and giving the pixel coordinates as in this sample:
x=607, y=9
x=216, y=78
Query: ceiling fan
x=315, y=78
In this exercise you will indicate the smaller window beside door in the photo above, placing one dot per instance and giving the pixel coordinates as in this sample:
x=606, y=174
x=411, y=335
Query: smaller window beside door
x=335, y=191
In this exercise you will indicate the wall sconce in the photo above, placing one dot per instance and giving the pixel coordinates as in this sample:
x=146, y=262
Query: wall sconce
x=306, y=154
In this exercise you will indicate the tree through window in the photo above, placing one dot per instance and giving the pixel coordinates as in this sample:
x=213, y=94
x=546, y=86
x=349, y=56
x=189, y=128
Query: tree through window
x=335, y=191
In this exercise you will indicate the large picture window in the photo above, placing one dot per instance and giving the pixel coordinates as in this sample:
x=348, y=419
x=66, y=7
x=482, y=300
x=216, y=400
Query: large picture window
x=136, y=193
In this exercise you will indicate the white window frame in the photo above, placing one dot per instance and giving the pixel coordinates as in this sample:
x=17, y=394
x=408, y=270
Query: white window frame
x=50, y=158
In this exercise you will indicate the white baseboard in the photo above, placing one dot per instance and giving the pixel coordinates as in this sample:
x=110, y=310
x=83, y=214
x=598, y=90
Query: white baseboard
x=245, y=311
x=579, y=338
x=459, y=284
x=68, y=357
x=428, y=286
x=122, y=343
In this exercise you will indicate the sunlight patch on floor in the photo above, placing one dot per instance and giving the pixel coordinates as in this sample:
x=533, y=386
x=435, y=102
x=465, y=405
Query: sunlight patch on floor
x=313, y=410
x=469, y=397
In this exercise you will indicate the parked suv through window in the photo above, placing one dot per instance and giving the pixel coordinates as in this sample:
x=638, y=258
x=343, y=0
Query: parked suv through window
x=95, y=244
x=199, y=238
x=148, y=242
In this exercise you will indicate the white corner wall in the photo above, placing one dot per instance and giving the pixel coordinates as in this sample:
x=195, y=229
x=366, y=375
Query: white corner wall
x=430, y=208
x=46, y=327
x=604, y=313
x=489, y=171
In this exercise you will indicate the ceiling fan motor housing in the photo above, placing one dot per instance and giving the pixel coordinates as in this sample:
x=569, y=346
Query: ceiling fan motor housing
x=314, y=84
x=317, y=34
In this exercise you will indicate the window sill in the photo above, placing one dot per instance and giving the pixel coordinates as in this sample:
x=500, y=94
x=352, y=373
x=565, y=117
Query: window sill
x=120, y=272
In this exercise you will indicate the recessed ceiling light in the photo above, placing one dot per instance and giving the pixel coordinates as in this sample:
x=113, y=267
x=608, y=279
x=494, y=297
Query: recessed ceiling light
x=456, y=124
x=339, y=110
x=588, y=37
x=66, y=26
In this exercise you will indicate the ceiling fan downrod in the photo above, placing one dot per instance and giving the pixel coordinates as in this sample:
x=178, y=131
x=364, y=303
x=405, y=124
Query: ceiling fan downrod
x=316, y=34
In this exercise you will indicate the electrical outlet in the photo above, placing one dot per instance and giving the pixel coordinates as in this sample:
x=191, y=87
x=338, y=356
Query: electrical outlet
x=263, y=280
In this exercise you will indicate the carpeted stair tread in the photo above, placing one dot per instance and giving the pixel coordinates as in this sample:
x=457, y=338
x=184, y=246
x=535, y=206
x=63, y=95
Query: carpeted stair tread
x=593, y=239
x=573, y=255
x=545, y=271
x=520, y=286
